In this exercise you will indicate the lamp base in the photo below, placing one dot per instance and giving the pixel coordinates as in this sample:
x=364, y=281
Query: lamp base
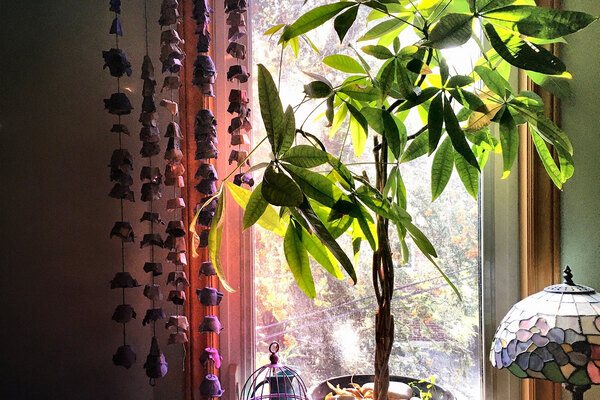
x=576, y=391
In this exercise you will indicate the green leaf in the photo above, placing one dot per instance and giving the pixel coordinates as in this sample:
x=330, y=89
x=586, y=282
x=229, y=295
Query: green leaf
x=269, y=219
x=270, y=105
x=381, y=29
x=444, y=70
x=255, y=208
x=336, y=227
x=467, y=99
x=338, y=118
x=567, y=167
x=274, y=29
x=315, y=185
x=344, y=63
x=284, y=138
x=420, y=239
x=452, y=30
x=305, y=156
x=457, y=135
x=558, y=85
x=367, y=227
x=417, y=148
x=317, y=90
x=468, y=174
x=386, y=78
x=540, y=22
x=405, y=85
x=396, y=44
x=358, y=129
x=295, y=45
x=358, y=92
x=356, y=241
x=344, y=173
x=383, y=123
x=524, y=54
x=321, y=254
x=547, y=160
x=344, y=21
x=325, y=237
x=279, y=189
x=441, y=169
x=297, y=259
x=425, y=95
x=215, y=237
x=493, y=80
x=530, y=100
x=484, y=139
x=380, y=52
x=547, y=129
x=373, y=201
x=509, y=140
x=459, y=81
x=329, y=110
x=435, y=120
x=313, y=18
x=358, y=136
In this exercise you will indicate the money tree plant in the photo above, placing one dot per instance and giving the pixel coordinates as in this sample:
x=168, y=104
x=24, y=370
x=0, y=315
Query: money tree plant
x=311, y=198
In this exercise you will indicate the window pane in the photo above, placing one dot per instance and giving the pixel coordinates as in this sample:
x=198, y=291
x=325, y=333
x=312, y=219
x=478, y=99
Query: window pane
x=436, y=334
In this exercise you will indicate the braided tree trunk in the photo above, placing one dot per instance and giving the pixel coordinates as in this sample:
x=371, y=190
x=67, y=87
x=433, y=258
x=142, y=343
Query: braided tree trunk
x=383, y=283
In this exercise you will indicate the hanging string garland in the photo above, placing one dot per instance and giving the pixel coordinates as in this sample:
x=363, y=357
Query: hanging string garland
x=172, y=58
x=237, y=73
x=238, y=97
x=205, y=136
x=121, y=168
x=151, y=191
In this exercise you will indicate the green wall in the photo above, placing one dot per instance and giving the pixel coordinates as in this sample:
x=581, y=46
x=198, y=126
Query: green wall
x=580, y=209
x=580, y=201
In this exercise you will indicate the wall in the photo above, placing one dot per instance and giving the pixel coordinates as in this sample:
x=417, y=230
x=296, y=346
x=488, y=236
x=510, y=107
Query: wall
x=581, y=195
x=580, y=199
x=57, y=258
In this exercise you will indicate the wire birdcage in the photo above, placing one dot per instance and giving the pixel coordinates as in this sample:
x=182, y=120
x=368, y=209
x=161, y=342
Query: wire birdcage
x=274, y=381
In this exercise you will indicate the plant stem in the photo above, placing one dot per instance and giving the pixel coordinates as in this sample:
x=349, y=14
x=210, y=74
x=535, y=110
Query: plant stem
x=383, y=284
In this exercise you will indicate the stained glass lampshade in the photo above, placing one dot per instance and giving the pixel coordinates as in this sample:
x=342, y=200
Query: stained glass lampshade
x=553, y=335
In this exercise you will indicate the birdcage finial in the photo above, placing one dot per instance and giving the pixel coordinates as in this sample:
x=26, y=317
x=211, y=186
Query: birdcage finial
x=273, y=349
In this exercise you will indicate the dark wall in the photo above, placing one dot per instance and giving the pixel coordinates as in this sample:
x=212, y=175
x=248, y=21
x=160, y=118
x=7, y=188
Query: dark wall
x=57, y=258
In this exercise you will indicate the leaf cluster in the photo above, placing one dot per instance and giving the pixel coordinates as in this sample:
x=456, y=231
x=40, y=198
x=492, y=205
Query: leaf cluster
x=465, y=119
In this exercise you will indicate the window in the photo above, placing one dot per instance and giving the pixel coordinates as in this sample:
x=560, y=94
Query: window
x=436, y=335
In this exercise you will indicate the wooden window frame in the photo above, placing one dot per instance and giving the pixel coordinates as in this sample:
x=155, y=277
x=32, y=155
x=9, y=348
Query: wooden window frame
x=539, y=220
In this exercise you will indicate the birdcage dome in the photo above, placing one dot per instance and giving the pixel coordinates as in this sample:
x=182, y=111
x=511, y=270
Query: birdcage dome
x=274, y=381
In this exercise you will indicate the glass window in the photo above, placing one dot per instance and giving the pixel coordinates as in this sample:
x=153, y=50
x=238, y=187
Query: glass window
x=436, y=334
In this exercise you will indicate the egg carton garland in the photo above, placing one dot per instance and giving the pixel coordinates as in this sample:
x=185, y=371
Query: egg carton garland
x=172, y=57
x=121, y=169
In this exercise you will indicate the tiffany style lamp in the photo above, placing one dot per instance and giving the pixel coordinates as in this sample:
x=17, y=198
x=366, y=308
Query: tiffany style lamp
x=554, y=335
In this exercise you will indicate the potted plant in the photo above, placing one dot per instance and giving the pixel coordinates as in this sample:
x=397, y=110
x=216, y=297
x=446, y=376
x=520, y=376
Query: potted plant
x=320, y=198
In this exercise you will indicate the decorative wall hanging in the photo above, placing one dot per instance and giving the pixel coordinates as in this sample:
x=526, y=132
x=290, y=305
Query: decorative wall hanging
x=151, y=191
x=121, y=168
x=172, y=57
x=205, y=136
